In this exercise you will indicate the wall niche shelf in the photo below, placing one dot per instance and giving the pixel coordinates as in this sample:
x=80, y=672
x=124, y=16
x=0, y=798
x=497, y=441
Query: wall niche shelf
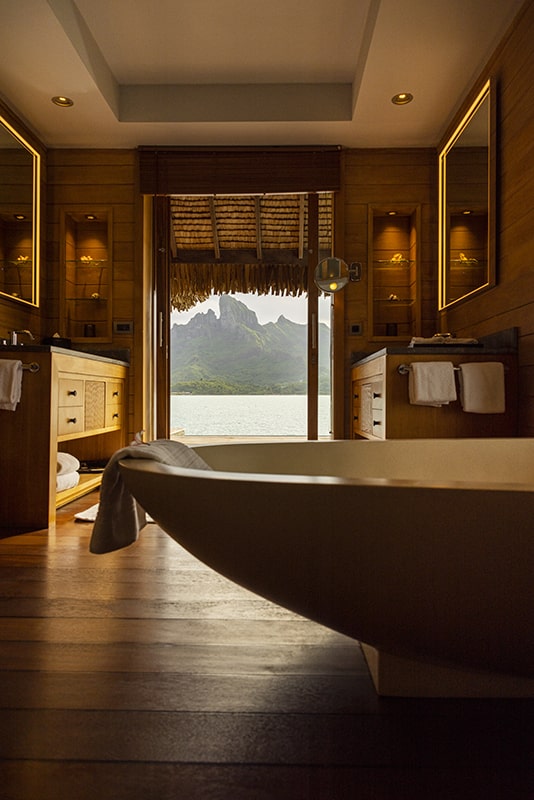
x=86, y=270
x=468, y=250
x=394, y=274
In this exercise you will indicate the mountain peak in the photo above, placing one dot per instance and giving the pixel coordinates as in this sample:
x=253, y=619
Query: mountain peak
x=234, y=313
x=234, y=354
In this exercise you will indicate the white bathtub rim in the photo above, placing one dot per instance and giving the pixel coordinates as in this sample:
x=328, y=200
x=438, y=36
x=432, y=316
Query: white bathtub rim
x=145, y=465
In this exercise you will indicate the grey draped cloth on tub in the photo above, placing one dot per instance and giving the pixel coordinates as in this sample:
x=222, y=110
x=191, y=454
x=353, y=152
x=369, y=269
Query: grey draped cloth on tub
x=120, y=517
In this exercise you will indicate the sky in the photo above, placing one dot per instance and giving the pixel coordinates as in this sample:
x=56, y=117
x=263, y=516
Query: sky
x=267, y=307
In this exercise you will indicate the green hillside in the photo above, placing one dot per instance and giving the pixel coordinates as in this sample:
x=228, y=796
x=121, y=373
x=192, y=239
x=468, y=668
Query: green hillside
x=234, y=354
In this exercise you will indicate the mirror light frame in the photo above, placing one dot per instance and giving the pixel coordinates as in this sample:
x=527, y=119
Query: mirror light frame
x=36, y=215
x=488, y=91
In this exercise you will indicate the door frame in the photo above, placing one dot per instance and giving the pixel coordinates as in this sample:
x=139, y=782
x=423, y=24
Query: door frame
x=160, y=291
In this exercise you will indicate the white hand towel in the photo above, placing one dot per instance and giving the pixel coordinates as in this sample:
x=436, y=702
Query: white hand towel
x=431, y=383
x=482, y=387
x=10, y=383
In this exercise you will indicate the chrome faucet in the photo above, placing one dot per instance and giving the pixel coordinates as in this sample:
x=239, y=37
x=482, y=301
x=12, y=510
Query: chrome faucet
x=15, y=334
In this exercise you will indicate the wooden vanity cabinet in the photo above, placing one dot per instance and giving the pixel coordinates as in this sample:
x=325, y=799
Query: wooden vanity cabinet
x=368, y=403
x=72, y=403
x=381, y=408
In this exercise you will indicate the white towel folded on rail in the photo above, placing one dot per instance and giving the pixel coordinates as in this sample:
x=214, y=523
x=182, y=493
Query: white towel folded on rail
x=67, y=463
x=482, y=389
x=431, y=383
x=10, y=383
x=120, y=517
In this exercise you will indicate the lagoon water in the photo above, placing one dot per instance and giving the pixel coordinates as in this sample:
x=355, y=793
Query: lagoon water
x=245, y=415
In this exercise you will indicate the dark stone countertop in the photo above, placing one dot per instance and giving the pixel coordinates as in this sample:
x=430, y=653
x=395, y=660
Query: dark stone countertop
x=121, y=357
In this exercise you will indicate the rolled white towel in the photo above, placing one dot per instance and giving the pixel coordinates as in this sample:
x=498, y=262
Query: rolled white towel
x=67, y=463
x=67, y=481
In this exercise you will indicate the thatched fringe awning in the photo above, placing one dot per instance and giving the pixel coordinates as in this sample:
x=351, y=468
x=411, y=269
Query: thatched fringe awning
x=193, y=283
x=228, y=244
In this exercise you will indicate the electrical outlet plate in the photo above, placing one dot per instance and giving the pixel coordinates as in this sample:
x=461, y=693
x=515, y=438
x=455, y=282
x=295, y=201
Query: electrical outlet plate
x=122, y=326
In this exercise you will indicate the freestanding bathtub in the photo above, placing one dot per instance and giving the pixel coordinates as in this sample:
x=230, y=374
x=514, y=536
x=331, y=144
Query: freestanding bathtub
x=422, y=549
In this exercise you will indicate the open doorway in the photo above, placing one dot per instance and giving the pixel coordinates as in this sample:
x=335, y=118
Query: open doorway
x=242, y=251
x=238, y=368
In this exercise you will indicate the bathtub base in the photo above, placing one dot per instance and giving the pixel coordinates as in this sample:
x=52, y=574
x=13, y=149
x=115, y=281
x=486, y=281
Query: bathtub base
x=401, y=677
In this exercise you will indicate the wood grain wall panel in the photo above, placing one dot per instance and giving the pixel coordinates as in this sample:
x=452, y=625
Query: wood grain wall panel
x=383, y=177
x=105, y=178
x=511, y=302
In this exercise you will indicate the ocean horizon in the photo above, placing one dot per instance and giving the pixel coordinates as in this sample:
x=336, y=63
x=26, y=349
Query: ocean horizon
x=246, y=415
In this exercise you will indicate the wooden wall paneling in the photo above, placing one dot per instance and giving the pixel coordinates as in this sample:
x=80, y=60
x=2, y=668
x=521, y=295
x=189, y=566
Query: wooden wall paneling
x=105, y=178
x=380, y=177
x=511, y=302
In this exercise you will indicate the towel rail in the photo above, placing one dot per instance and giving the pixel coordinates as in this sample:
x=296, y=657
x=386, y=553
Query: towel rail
x=404, y=369
x=33, y=366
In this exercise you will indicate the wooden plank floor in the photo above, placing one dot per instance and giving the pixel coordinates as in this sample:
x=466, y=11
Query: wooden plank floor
x=143, y=674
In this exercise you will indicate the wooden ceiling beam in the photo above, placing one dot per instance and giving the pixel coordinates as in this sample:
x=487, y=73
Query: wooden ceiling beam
x=257, y=208
x=302, y=206
x=213, y=214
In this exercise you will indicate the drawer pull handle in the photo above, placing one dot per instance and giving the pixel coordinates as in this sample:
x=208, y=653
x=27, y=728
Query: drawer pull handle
x=355, y=417
x=377, y=422
x=115, y=416
x=73, y=420
x=72, y=393
x=377, y=394
x=356, y=396
x=115, y=394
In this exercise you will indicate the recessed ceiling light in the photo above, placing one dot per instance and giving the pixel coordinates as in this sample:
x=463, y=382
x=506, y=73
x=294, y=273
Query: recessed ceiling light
x=20, y=217
x=63, y=102
x=90, y=216
x=402, y=98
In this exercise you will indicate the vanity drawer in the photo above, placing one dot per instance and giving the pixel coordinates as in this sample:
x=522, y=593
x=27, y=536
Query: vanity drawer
x=377, y=423
x=113, y=416
x=114, y=393
x=70, y=419
x=372, y=416
x=377, y=395
x=70, y=392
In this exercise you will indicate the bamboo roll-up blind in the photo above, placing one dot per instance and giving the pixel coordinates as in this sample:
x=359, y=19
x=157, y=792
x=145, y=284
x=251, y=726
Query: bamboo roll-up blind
x=234, y=170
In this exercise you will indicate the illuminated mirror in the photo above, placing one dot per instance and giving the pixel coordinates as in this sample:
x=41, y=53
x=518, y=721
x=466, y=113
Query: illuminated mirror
x=467, y=204
x=19, y=217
